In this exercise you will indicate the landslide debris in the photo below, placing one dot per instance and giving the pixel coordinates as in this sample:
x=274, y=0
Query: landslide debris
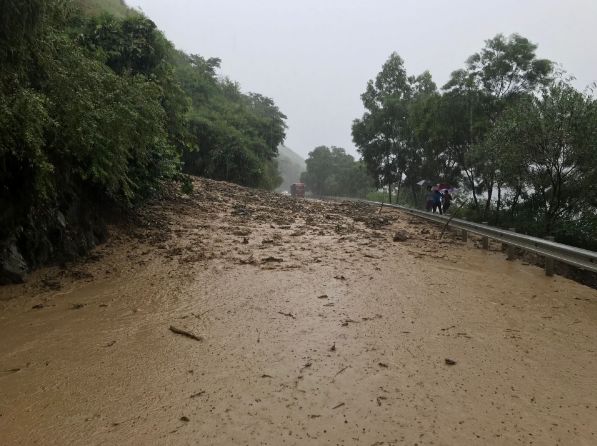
x=220, y=220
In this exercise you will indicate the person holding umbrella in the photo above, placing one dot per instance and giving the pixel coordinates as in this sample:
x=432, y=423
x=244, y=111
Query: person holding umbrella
x=437, y=200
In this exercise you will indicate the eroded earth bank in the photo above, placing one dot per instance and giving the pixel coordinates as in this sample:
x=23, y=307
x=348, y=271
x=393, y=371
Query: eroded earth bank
x=312, y=326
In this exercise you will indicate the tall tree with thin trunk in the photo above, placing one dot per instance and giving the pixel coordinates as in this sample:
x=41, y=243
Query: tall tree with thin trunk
x=381, y=135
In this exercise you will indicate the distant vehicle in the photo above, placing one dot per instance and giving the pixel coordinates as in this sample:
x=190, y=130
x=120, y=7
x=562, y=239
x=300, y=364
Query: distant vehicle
x=297, y=190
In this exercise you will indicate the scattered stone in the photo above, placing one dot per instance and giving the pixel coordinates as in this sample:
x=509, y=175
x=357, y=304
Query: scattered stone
x=51, y=284
x=241, y=211
x=400, y=236
x=248, y=261
x=271, y=259
x=348, y=321
x=185, y=419
x=307, y=365
x=450, y=361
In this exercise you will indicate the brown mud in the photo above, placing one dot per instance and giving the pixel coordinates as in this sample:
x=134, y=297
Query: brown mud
x=235, y=316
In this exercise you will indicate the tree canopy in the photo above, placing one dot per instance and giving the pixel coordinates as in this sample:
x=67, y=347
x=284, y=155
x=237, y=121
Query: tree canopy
x=333, y=172
x=513, y=135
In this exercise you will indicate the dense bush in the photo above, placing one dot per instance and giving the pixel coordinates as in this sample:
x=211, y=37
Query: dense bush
x=97, y=112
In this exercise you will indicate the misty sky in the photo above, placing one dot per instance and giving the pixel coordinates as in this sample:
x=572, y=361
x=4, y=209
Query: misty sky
x=314, y=57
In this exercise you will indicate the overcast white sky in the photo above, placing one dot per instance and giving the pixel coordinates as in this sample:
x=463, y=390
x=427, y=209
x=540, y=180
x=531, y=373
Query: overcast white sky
x=314, y=57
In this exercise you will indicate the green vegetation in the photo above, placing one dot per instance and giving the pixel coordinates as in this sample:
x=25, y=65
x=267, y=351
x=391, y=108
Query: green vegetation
x=116, y=8
x=519, y=140
x=332, y=172
x=98, y=111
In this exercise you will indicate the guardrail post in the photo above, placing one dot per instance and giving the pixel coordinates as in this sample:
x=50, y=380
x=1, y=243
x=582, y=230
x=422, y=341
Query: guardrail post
x=549, y=262
x=485, y=239
x=464, y=235
x=510, y=248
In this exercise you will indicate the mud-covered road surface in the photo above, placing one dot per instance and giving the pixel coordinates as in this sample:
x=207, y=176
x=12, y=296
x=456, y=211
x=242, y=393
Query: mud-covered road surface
x=312, y=327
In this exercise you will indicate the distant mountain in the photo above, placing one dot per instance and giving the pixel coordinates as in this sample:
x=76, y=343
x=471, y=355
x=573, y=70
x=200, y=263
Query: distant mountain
x=290, y=166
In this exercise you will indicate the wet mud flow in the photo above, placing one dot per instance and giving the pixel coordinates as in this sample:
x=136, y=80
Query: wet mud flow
x=234, y=316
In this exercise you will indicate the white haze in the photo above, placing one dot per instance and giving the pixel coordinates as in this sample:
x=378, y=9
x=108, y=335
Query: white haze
x=314, y=57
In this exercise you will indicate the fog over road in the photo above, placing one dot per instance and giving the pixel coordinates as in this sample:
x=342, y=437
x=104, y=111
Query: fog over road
x=314, y=327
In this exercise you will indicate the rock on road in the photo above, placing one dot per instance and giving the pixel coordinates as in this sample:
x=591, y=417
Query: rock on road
x=309, y=324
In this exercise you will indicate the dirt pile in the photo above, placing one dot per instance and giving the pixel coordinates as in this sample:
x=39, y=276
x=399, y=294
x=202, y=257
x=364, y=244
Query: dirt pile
x=248, y=226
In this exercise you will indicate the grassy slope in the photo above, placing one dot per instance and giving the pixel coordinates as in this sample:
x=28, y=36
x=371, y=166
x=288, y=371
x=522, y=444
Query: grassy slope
x=115, y=7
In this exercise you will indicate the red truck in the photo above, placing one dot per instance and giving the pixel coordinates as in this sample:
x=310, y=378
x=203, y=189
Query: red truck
x=297, y=190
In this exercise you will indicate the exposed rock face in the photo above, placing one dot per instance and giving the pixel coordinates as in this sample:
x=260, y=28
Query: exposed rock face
x=53, y=237
x=13, y=268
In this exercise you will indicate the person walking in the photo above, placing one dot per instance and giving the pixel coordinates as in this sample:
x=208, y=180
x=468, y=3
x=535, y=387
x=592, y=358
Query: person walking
x=429, y=199
x=437, y=201
x=447, y=201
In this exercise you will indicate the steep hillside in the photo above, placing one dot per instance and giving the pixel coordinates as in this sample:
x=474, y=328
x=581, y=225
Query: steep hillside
x=99, y=113
x=290, y=166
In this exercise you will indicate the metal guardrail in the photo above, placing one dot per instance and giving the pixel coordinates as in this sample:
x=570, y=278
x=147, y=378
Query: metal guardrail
x=550, y=250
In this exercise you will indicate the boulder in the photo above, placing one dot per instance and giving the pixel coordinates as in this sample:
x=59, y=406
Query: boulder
x=13, y=268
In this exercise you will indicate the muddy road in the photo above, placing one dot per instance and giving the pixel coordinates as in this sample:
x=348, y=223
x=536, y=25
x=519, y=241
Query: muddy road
x=312, y=326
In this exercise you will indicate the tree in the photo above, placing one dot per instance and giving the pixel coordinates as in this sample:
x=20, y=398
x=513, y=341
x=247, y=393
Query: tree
x=507, y=67
x=549, y=147
x=381, y=134
x=503, y=72
x=333, y=172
